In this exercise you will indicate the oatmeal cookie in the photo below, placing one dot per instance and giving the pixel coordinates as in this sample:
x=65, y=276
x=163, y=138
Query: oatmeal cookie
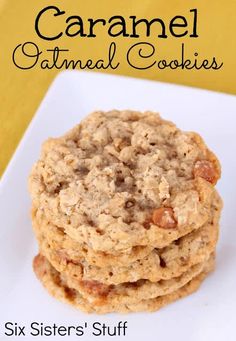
x=171, y=261
x=130, y=292
x=122, y=179
x=158, y=264
x=66, y=247
x=58, y=287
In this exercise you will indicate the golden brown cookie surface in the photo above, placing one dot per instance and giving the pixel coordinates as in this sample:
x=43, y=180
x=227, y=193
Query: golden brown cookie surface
x=58, y=288
x=124, y=178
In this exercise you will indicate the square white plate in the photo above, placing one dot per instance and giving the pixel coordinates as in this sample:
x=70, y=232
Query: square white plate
x=209, y=314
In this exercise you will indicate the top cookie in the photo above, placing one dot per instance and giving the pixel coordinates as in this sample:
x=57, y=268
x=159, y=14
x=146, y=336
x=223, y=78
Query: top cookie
x=124, y=178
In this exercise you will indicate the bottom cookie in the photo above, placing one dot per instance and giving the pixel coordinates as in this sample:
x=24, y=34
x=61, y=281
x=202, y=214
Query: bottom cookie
x=55, y=285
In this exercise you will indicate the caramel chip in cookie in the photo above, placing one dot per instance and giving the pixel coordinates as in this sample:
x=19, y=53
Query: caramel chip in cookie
x=206, y=170
x=164, y=217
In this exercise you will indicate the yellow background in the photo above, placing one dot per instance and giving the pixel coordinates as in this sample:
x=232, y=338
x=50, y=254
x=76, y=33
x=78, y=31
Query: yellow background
x=22, y=91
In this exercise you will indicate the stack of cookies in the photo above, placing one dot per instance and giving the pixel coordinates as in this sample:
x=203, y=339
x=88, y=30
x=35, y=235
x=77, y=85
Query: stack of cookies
x=125, y=212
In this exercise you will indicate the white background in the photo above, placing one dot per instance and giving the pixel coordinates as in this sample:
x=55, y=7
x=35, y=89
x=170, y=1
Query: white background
x=209, y=314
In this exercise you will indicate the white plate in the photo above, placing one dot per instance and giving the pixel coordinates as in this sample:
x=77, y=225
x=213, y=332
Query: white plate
x=209, y=314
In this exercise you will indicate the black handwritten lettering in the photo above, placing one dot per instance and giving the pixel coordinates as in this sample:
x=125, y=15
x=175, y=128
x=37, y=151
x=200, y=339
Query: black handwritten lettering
x=58, y=12
x=31, y=58
x=57, y=60
x=117, y=25
x=136, y=57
